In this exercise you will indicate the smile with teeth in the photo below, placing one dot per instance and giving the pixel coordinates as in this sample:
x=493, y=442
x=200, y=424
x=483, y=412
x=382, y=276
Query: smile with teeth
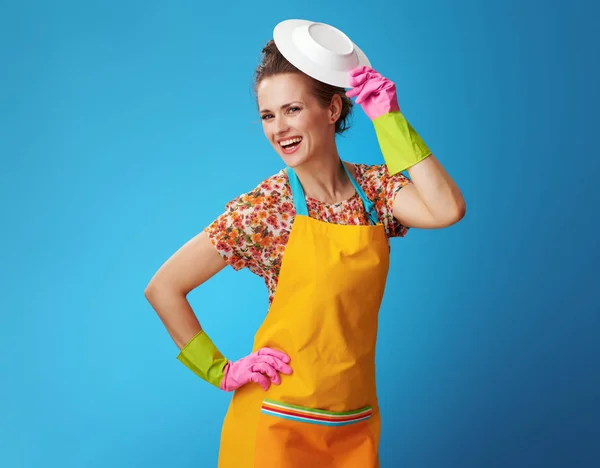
x=291, y=141
x=290, y=145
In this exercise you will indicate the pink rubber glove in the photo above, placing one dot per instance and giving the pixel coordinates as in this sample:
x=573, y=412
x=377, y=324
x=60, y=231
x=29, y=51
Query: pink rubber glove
x=401, y=146
x=375, y=94
x=262, y=367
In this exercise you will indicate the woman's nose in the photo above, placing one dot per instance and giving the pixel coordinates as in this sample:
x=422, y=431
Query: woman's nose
x=281, y=125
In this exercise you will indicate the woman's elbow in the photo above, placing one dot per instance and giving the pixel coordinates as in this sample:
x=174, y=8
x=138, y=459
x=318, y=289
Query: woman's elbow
x=150, y=291
x=461, y=210
x=454, y=215
x=458, y=213
x=153, y=289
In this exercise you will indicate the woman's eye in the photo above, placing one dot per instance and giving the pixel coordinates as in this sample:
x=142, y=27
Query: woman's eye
x=293, y=109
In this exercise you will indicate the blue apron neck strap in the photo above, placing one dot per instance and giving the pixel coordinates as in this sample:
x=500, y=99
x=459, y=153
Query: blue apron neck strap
x=368, y=204
x=300, y=200
x=297, y=193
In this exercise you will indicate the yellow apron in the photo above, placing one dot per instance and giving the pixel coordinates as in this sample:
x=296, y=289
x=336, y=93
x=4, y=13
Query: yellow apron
x=324, y=316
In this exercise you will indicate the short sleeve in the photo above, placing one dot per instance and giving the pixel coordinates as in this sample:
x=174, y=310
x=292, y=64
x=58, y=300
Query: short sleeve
x=231, y=232
x=381, y=188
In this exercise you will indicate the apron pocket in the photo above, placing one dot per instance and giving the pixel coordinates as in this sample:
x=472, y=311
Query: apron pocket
x=290, y=436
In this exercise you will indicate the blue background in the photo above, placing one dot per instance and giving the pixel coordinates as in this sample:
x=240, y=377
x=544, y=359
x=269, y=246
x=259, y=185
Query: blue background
x=126, y=126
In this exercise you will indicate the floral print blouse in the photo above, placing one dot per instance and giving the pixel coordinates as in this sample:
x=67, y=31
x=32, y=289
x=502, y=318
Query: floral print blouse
x=254, y=229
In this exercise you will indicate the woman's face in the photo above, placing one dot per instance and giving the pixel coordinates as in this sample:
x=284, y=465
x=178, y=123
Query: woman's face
x=293, y=121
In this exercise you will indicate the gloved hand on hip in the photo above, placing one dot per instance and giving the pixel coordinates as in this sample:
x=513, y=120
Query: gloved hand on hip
x=400, y=144
x=263, y=366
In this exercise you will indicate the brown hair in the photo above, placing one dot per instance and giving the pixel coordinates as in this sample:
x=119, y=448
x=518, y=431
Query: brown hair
x=274, y=63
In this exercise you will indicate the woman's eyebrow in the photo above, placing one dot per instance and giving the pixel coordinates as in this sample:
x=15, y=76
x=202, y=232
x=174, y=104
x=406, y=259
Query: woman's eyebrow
x=284, y=106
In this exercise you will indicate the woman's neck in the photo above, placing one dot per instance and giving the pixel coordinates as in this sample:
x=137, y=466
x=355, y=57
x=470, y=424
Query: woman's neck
x=325, y=179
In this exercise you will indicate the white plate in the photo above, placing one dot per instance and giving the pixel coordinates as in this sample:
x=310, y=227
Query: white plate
x=319, y=50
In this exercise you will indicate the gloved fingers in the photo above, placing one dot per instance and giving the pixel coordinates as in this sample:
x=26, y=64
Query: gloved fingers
x=276, y=363
x=267, y=370
x=374, y=87
x=359, y=70
x=359, y=75
x=261, y=380
x=273, y=352
x=369, y=88
x=354, y=91
x=364, y=78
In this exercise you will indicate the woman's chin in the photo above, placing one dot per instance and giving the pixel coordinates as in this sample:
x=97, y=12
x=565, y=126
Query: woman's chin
x=295, y=159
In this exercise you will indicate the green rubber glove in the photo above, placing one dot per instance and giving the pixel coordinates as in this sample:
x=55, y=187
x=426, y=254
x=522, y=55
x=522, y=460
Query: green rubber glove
x=401, y=146
x=203, y=358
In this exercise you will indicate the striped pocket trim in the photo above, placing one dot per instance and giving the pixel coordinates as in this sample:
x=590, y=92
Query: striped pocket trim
x=315, y=416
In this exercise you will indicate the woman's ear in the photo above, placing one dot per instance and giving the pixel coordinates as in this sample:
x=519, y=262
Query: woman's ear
x=335, y=108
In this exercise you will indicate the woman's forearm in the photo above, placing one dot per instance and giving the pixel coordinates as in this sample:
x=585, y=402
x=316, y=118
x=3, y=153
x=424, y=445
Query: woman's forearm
x=176, y=314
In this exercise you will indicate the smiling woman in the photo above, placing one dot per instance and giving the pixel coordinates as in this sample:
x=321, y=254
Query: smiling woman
x=275, y=64
x=294, y=120
x=306, y=395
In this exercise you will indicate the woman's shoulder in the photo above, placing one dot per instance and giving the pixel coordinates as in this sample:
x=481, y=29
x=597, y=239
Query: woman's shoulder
x=370, y=171
x=268, y=194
